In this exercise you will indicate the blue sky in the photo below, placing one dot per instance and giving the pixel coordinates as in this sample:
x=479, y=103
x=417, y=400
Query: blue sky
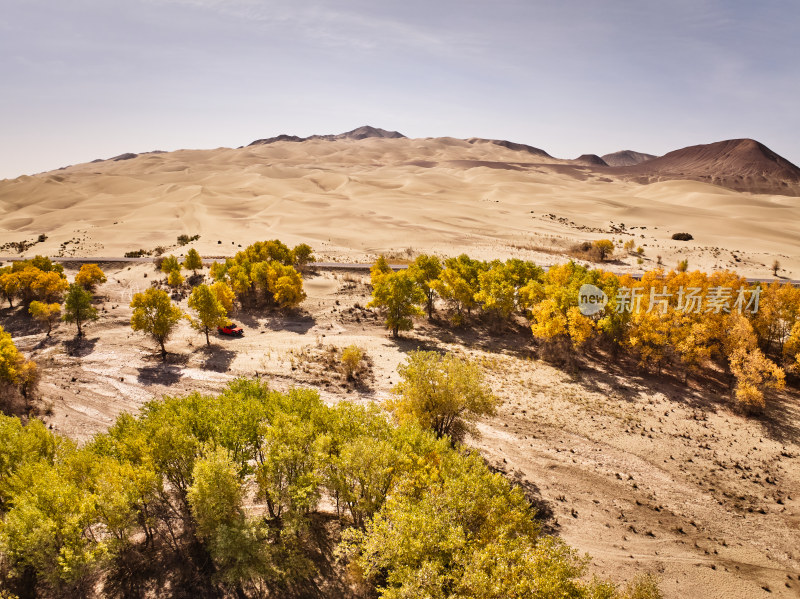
x=85, y=79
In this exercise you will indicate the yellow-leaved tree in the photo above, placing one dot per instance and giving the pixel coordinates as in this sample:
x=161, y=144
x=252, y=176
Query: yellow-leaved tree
x=424, y=271
x=15, y=370
x=156, y=315
x=397, y=297
x=9, y=285
x=753, y=372
x=193, y=261
x=90, y=276
x=45, y=314
x=175, y=279
x=224, y=294
x=209, y=311
x=443, y=393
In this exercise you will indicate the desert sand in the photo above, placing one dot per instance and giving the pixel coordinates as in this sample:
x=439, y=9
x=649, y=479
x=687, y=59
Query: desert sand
x=353, y=199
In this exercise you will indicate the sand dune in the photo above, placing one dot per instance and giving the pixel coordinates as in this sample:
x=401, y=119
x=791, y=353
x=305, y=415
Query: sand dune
x=352, y=198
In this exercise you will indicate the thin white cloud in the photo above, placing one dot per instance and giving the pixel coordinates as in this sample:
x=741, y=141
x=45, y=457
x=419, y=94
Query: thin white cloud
x=335, y=25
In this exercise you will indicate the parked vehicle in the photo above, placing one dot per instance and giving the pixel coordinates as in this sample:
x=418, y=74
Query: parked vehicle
x=231, y=330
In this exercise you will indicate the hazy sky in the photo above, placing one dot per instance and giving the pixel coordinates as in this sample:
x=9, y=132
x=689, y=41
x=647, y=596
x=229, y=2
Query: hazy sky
x=85, y=79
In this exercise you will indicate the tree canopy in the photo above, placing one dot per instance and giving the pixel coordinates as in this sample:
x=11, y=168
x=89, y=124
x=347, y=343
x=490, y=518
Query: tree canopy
x=169, y=485
x=156, y=315
x=209, y=310
x=78, y=307
x=443, y=393
x=398, y=297
x=90, y=276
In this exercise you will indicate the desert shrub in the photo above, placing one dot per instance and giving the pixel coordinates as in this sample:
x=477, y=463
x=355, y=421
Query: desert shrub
x=682, y=236
x=140, y=253
x=643, y=586
x=352, y=361
x=683, y=265
x=186, y=239
x=175, y=279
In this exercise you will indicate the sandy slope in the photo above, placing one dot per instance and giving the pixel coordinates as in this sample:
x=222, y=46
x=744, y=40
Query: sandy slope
x=354, y=198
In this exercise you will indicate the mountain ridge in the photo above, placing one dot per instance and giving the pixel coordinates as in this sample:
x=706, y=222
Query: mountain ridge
x=626, y=158
x=363, y=132
x=742, y=164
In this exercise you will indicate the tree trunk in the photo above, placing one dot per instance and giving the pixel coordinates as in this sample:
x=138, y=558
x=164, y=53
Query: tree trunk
x=163, y=351
x=27, y=587
x=395, y=332
x=208, y=341
x=78, y=322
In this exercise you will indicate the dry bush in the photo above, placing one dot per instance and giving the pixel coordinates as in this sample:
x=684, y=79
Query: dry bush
x=327, y=364
x=585, y=251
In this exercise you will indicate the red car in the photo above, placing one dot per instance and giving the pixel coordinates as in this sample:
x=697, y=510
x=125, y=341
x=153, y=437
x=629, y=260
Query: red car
x=231, y=330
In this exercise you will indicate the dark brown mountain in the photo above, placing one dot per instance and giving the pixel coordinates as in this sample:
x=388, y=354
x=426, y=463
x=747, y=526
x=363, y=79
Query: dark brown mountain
x=626, y=158
x=367, y=131
x=359, y=133
x=740, y=164
x=590, y=160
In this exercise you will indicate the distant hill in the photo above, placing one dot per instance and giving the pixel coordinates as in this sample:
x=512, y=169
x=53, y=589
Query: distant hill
x=740, y=164
x=626, y=158
x=590, y=160
x=510, y=145
x=360, y=133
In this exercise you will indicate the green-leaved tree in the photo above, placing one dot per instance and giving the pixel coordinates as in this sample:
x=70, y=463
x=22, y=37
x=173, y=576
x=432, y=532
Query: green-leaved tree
x=78, y=307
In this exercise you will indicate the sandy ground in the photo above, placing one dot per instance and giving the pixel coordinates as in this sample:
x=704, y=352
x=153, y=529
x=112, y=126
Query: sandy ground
x=351, y=200
x=638, y=471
